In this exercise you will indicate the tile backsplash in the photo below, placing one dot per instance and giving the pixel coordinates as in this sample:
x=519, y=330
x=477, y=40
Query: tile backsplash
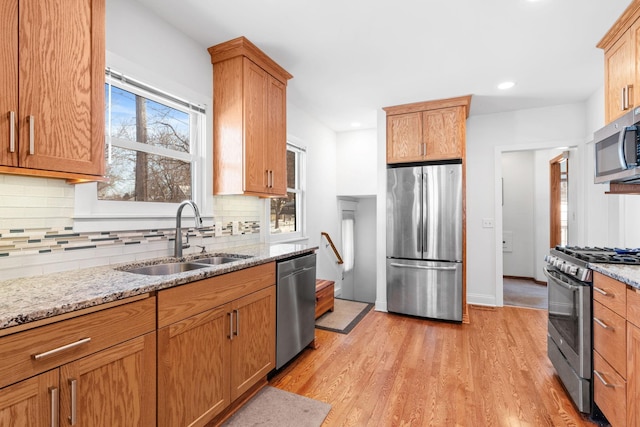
x=30, y=252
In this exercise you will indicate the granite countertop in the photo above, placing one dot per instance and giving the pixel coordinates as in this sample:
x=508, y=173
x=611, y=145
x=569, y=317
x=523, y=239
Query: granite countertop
x=28, y=299
x=629, y=274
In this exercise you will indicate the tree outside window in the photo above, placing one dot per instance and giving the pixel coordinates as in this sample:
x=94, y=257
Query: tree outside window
x=286, y=212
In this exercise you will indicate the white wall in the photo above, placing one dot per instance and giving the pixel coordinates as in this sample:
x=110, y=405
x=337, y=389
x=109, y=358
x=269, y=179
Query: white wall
x=518, y=225
x=365, y=250
x=356, y=159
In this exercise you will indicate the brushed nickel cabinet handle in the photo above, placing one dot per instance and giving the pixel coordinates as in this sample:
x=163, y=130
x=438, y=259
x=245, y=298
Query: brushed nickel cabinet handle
x=74, y=402
x=61, y=349
x=601, y=378
x=32, y=142
x=237, y=322
x=231, y=325
x=600, y=291
x=12, y=131
x=623, y=95
x=601, y=323
x=55, y=402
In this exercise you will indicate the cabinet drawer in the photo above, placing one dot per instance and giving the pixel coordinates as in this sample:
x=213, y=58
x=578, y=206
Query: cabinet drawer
x=609, y=392
x=181, y=302
x=610, y=337
x=633, y=306
x=33, y=351
x=611, y=293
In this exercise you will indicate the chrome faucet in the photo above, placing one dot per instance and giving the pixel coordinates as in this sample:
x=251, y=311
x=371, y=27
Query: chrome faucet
x=178, y=242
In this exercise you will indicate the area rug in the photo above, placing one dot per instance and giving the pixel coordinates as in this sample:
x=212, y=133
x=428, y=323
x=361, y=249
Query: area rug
x=345, y=316
x=273, y=407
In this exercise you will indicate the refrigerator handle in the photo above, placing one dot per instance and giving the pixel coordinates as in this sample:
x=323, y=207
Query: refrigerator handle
x=422, y=267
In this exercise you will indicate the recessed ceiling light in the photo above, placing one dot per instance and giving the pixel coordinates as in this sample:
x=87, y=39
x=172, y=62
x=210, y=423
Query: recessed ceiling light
x=355, y=124
x=506, y=85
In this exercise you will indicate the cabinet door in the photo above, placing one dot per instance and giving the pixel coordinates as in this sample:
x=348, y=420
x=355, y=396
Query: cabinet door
x=633, y=375
x=32, y=402
x=114, y=387
x=404, y=138
x=276, y=150
x=444, y=133
x=61, y=85
x=194, y=369
x=619, y=73
x=253, y=348
x=9, y=83
x=255, y=128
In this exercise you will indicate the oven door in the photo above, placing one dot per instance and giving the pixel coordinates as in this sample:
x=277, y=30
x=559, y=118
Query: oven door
x=570, y=319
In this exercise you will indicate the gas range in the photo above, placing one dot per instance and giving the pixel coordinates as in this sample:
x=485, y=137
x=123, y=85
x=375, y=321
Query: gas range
x=575, y=260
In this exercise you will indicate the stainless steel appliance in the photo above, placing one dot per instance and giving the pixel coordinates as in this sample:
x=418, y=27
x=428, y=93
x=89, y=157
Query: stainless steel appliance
x=617, y=150
x=424, y=240
x=295, y=306
x=569, y=337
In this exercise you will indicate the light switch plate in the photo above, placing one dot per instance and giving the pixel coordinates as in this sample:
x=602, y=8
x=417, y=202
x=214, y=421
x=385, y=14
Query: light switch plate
x=218, y=228
x=487, y=222
x=235, y=228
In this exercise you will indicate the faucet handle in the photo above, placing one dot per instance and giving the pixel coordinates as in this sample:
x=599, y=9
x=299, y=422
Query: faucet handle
x=204, y=249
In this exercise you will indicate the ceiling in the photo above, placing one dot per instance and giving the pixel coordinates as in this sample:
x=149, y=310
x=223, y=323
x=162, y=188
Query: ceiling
x=350, y=58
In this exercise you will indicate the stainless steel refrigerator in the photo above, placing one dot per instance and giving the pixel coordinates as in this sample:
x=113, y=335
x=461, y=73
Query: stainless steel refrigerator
x=424, y=241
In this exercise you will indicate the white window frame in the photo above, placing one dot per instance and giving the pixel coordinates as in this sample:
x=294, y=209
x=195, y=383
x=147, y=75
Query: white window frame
x=301, y=195
x=92, y=214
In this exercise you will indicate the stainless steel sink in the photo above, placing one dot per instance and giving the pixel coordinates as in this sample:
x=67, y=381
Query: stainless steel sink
x=215, y=260
x=167, y=268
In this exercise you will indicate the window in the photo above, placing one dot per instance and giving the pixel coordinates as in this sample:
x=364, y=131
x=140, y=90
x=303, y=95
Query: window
x=151, y=141
x=286, y=213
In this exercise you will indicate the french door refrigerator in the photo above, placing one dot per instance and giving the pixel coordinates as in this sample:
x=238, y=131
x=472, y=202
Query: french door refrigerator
x=424, y=240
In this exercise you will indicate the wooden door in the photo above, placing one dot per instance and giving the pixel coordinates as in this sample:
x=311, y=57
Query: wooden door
x=253, y=352
x=618, y=74
x=404, y=138
x=558, y=200
x=255, y=128
x=30, y=402
x=61, y=85
x=194, y=368
x=443, y=133
x=9, y=83
x=276, y=150
x=633, y=375
x=114, y=387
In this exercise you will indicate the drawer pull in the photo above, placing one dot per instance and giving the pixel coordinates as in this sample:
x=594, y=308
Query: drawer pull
x=601, y=323
x=55, y=401
x=601, y=378
x=600, y=291
x=55, y=351
x=73, y=383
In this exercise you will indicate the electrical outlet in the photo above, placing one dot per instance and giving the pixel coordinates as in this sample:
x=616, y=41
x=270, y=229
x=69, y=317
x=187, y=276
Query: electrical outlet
x=487, y=222
x=218, y=229
x=235, y=228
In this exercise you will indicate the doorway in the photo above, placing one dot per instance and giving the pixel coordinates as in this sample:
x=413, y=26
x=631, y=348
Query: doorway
x=523, y=218
x=558, y=199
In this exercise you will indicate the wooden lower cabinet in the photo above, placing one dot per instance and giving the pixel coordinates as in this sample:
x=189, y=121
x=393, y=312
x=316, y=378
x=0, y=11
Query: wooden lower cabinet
x=29, y=402
x=210, y=359
x=633, y=373
x=114, y=387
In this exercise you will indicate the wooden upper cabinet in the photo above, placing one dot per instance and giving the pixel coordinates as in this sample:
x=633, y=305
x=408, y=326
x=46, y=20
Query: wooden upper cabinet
x=52, y=117
x=426, y=131
x=621, y=47
x=249, y=121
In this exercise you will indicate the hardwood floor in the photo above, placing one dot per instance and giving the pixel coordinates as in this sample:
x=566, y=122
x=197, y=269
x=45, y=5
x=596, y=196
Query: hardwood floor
x=394, y=370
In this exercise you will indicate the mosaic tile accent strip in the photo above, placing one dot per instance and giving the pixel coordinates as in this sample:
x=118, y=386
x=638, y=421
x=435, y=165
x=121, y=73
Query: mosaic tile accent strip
x=46, y=240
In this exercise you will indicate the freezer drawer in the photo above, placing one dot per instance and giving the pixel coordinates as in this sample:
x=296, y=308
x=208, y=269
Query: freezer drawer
x=425, y=288
x=296, y=306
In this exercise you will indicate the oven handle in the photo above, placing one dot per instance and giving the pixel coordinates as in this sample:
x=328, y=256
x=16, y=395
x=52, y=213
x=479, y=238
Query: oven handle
x=559, y=281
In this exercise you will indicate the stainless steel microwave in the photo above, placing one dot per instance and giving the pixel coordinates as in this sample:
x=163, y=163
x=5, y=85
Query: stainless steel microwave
x=617, y=150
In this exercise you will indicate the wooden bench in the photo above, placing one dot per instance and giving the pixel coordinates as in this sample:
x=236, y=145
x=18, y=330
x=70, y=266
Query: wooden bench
x=324, y=296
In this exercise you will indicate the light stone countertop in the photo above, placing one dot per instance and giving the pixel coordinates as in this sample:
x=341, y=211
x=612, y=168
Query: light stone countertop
x=629, y=274
x=28, y=299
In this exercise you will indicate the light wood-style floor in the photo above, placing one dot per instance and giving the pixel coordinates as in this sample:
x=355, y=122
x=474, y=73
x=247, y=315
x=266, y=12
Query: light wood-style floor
x=394, y=370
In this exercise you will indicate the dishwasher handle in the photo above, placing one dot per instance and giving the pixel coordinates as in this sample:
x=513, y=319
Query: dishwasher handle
x=297, y=272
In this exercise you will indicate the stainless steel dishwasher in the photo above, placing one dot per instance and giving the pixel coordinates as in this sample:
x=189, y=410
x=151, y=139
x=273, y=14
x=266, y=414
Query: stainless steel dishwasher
x=296, y=302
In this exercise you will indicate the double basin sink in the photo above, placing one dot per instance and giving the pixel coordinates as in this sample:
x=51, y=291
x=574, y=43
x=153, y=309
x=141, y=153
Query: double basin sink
x=180, y=267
